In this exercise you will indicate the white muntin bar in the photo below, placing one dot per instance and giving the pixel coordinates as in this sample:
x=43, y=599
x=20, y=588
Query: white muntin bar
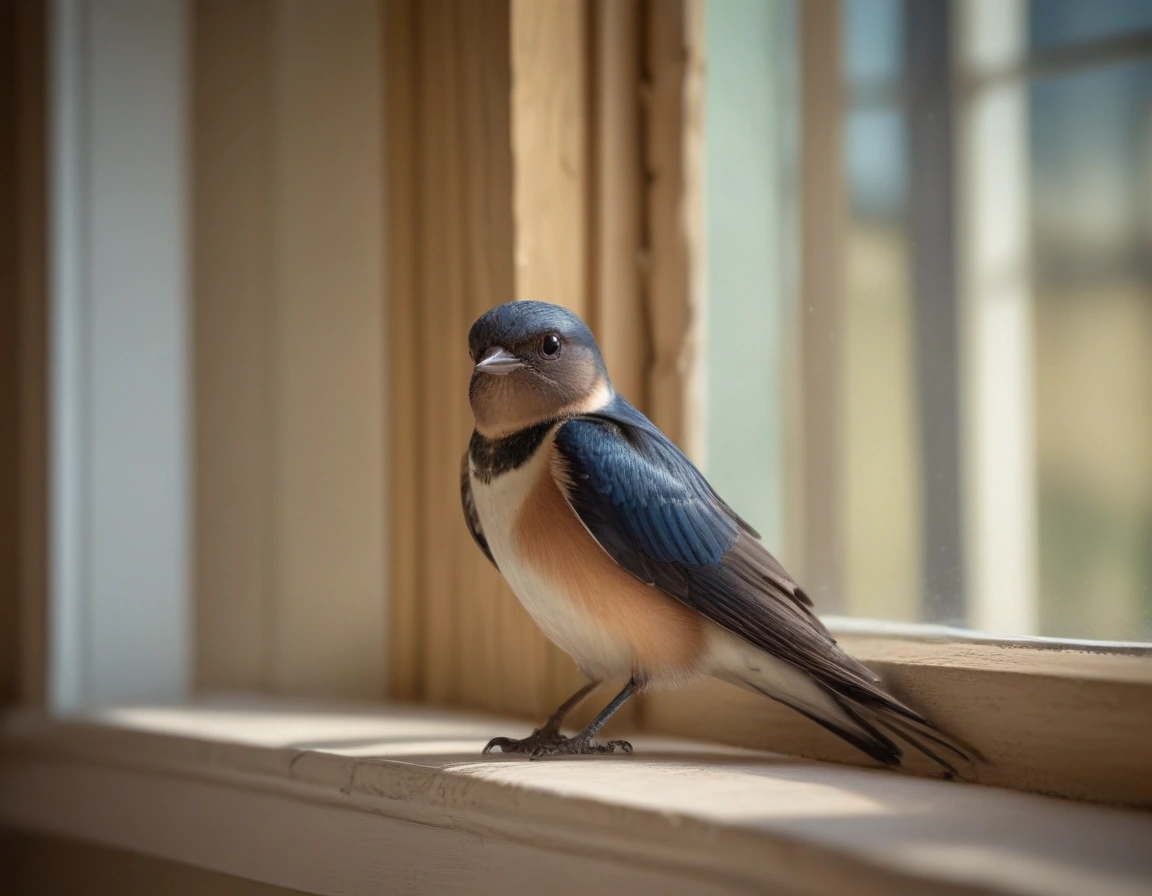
x=996, y=319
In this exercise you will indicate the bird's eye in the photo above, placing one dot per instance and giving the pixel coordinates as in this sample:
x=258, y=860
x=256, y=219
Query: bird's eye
x=550, y=347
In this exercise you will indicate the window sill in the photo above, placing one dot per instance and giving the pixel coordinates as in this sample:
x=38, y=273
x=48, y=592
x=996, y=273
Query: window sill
x=346, y=800
x=1067, y=718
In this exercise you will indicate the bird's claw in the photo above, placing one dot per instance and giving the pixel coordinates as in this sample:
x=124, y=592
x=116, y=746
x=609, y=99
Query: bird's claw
x=580, y=746
x=544, y=742
x=541, y=737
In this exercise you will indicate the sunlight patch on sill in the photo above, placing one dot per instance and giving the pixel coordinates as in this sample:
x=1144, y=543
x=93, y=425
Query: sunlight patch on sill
x=196, y=783
x=299, y=725
x=920, y=631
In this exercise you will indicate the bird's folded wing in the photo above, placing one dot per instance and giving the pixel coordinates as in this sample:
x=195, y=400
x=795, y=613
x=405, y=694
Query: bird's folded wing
x=653, y=512
x=471, y=517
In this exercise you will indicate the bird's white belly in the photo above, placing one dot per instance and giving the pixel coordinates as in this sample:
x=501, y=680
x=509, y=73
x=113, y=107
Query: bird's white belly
x=600, y=653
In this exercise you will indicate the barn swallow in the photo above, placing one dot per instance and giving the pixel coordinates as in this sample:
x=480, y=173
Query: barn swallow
x=629, y=560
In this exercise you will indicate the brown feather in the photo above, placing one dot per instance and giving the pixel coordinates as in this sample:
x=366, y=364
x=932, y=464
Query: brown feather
x=666, y=638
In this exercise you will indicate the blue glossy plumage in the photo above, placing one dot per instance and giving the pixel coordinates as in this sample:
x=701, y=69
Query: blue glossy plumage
x=638, y=496
x=653, y=512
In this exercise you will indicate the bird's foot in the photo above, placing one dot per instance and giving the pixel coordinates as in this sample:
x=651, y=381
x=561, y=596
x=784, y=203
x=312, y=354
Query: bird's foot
x=538, y=739
x=546, y=742
x=580, y=745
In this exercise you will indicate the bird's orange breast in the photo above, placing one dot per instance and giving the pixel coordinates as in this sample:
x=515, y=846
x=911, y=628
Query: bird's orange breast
x=666, y=638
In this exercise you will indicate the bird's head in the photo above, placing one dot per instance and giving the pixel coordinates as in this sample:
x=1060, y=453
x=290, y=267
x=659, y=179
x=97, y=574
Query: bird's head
x=534, y=362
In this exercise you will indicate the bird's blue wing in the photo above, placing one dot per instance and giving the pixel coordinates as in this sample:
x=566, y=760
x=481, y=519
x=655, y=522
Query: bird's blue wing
x=645, y=502
x=639, y=500
x=653, y=512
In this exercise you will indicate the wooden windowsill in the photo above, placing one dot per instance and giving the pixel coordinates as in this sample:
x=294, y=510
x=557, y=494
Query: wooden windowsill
x=1067, y=718
x=352, y=799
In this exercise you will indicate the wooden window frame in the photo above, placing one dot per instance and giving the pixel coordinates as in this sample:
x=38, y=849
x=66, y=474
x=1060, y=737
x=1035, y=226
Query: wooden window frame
x=1037, y=709
x=1046, y=715
x=546, y=150
x=351, y=799
x=24, y=335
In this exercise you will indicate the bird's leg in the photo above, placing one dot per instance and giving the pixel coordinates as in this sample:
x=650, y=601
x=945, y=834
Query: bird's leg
x=582, y=742
x=549, y=733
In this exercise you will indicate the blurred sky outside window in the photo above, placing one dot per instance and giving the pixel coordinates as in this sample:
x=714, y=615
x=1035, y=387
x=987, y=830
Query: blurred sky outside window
x=1085, y=203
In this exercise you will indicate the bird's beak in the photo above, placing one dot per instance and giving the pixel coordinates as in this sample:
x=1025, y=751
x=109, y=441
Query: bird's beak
x=498, y=362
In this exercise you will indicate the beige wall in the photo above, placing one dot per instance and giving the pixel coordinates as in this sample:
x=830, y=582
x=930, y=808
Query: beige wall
x=288, y=306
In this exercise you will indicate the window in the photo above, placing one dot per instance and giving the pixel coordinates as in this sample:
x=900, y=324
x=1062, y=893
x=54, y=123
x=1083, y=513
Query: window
x=218, y=348
x=854, y=256
x=985, y=364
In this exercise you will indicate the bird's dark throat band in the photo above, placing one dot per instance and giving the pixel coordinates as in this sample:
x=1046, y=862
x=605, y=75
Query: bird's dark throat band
x=491, y=457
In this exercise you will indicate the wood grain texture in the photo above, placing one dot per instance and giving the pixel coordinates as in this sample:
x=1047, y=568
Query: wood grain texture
x=552, y=61
x=673, y=64
x=1065, y=722
x=550, y=128
x=491, y=673
x=458, y=634
x=616, y=311
x=345, y=799
x=489, y=180
x=23, y=353
x=519, y=172
x=337, y=851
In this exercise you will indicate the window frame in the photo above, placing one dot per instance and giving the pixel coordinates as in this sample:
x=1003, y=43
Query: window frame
x=978, y=233
x=1033, y=680
x=1043, y=713
x=343, y=799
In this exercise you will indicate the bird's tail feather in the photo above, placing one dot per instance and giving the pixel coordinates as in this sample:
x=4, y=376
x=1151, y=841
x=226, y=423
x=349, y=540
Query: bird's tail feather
x=825, y=709
x=861, y=735
x=878, y=720
x=919, y=733
x=872, y=721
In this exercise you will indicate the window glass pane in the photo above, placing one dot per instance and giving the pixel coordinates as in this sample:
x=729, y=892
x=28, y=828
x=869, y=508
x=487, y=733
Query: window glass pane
x=877, y=157
x=1091, y=188
x=881, y=493
x=747, y=127
x=1059, y=23
x=993, y=394
x=880, y=501
x=873, y=40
